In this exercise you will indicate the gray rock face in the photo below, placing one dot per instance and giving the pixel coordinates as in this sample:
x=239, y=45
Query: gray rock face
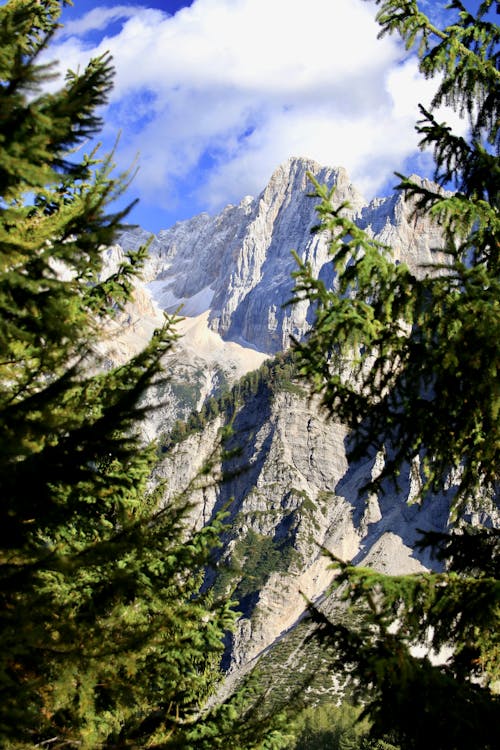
x=291, y=493
x=238, y=264
x=292, y=490
x=248, y=303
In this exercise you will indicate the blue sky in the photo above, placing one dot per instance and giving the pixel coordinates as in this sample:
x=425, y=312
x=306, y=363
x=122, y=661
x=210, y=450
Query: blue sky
x=211, y=96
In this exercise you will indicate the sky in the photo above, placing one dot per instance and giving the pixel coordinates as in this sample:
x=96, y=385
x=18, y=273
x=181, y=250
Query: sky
x=210, y=96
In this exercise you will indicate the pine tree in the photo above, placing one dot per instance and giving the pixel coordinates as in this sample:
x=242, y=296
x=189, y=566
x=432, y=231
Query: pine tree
x=106, y=639
x=410, y=363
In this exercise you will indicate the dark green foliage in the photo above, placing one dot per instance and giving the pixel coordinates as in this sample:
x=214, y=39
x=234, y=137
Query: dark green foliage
x=105, y=639
x=410, y=363
x=448, y=363
x=286, y=679
x=334, y=727
x=293, y=689
x=276, y=375
x=453, y=698
x=431, y=343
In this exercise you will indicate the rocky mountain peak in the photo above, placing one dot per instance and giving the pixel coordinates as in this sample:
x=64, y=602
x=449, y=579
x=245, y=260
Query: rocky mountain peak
x=291, y=176
x=237, y=265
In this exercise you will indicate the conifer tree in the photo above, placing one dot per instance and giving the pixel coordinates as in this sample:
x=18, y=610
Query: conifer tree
x=410, y=362
x=105, y=638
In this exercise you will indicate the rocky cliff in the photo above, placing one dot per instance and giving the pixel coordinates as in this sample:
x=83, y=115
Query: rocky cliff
x=276, y=462
x=231, y=273
x=279, y=466
x=237, y=266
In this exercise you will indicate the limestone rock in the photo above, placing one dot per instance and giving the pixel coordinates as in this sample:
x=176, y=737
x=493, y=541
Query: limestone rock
x=238, y=265
x=289, y=489
x=291, y=494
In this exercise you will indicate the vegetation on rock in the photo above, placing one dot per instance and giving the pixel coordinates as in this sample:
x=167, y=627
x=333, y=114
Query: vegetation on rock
x=329, y=726
x=276, y=375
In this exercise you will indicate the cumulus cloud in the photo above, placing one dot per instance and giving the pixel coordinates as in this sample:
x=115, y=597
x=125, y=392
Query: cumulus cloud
x=216, y=96
x=99, y=19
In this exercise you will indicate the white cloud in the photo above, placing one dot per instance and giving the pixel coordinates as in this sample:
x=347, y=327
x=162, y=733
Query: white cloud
x=215, y=97
x=99, y=19
x=407, y=88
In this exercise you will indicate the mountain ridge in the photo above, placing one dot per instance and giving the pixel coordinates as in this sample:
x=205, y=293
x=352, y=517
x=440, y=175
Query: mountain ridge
x=237, y=265
x=292, y=488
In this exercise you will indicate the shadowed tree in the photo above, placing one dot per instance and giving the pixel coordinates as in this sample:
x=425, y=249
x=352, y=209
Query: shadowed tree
x=106, y=640
x=410, y=363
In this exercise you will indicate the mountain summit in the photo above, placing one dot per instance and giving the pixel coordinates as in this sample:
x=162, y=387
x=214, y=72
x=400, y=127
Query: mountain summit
x=237, y=265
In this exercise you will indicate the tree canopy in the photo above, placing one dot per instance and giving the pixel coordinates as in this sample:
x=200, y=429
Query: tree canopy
x=106, y=639
x=424, y=349
x=410, y=362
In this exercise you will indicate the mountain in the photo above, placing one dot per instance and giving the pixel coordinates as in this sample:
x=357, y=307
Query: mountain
x=236, y=267
x=232, y=275
x=277, y=463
